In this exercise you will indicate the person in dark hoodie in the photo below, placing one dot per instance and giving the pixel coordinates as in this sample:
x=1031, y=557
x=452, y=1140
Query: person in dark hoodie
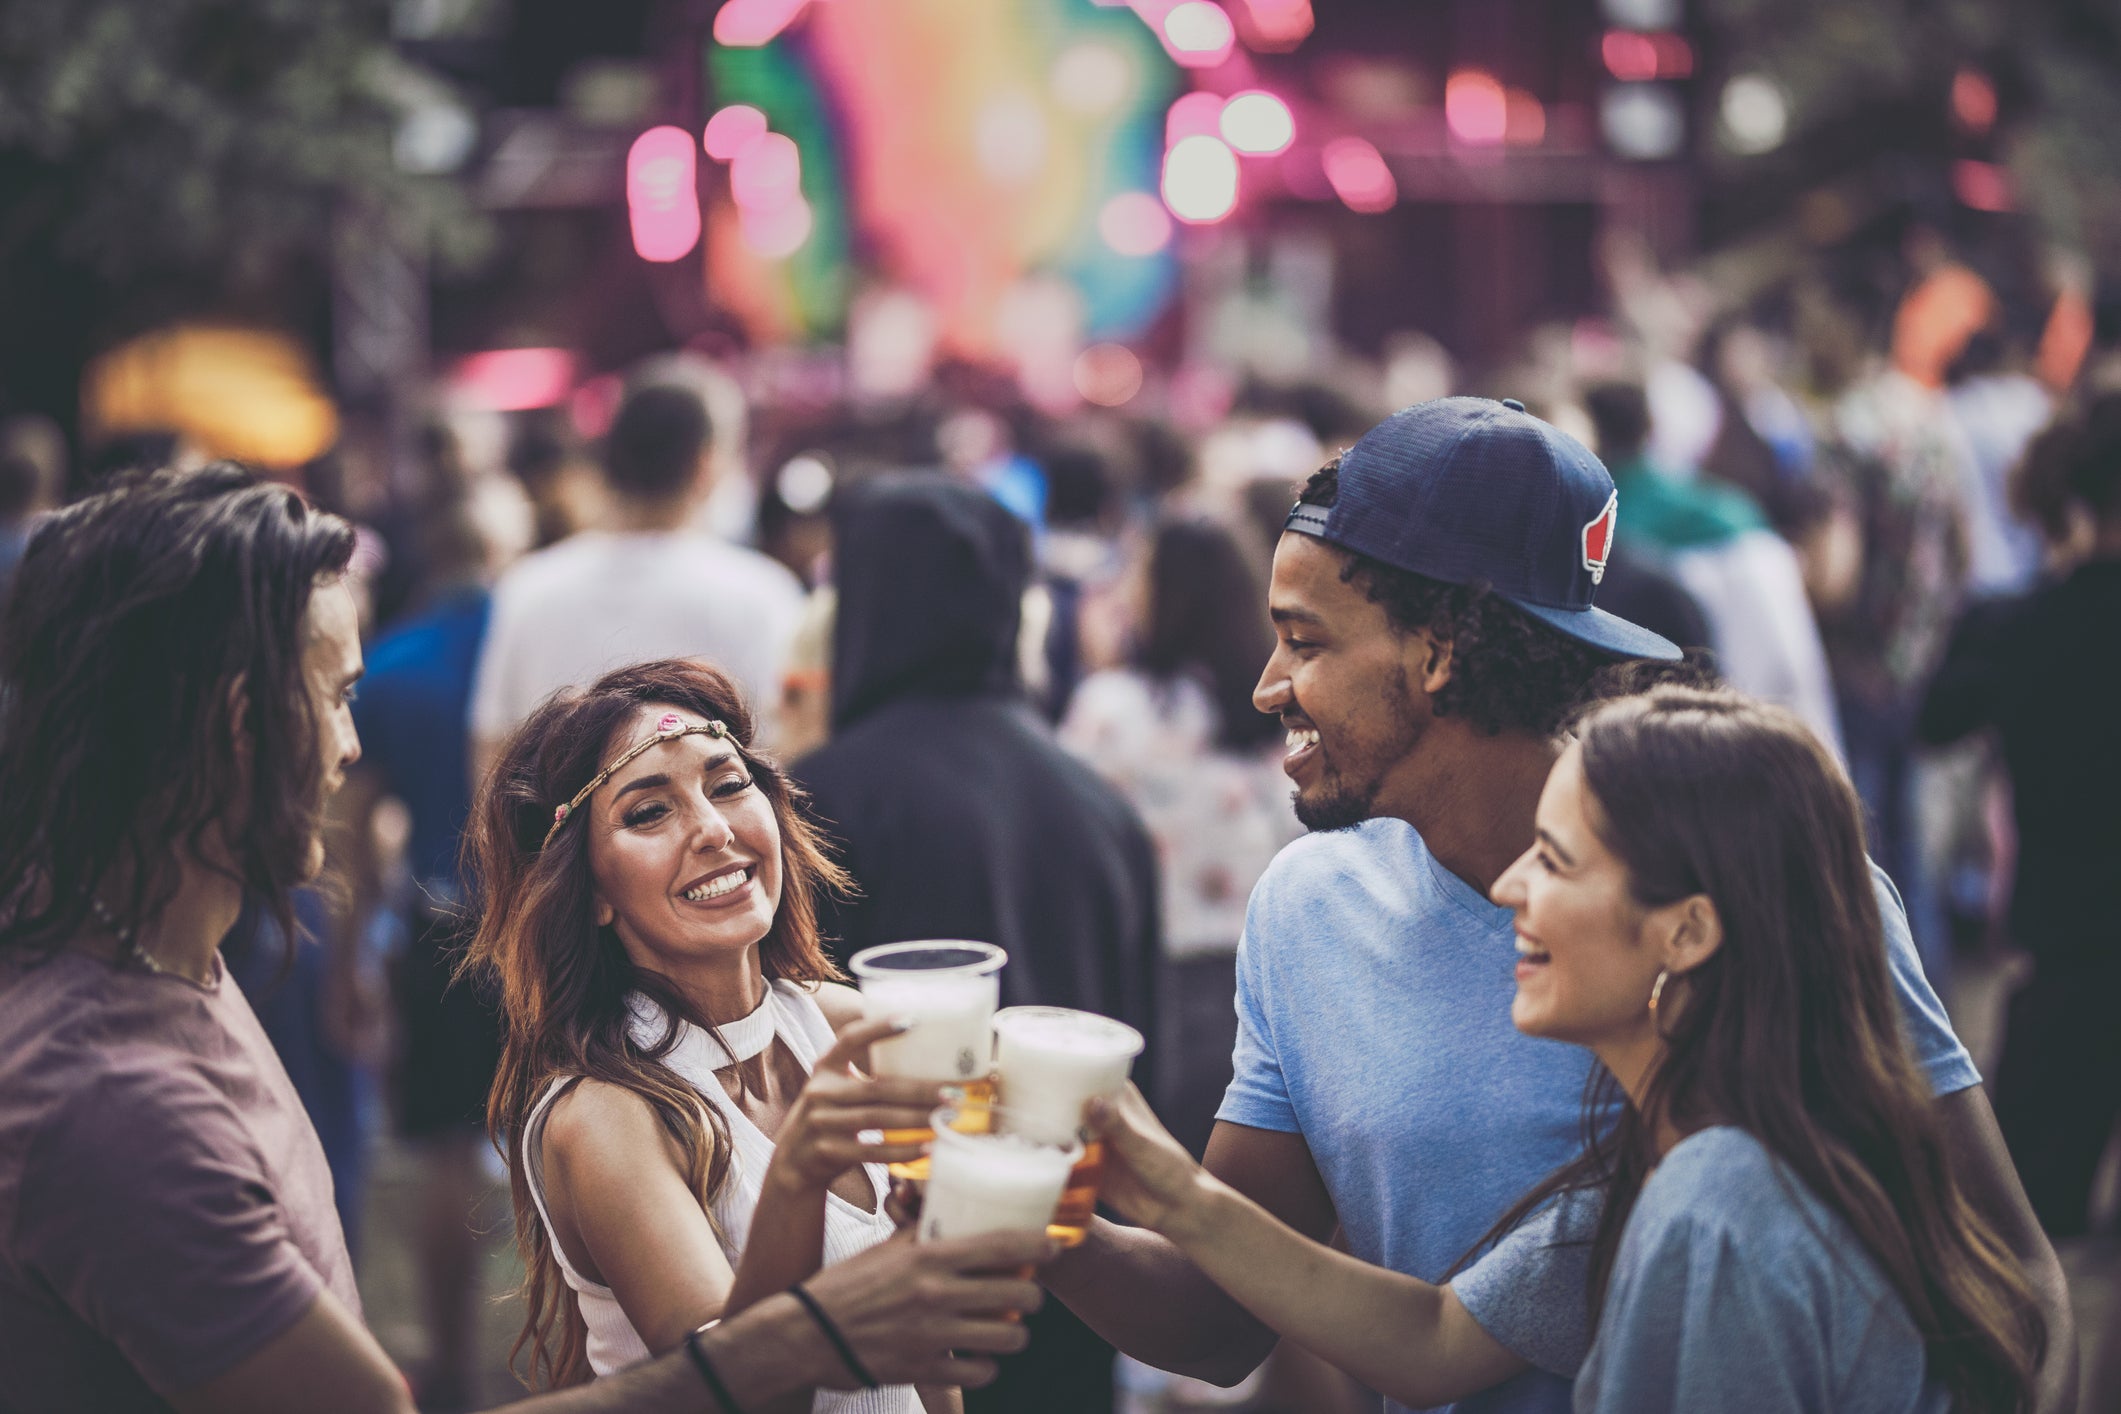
x=959, y=816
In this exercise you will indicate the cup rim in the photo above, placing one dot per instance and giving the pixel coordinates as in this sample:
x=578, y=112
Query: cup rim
x=1111, y=1026
x=989, y=959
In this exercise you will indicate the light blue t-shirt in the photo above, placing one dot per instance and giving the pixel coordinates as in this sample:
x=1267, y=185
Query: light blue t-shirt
x=1373, y=1003
x=1736, y=1289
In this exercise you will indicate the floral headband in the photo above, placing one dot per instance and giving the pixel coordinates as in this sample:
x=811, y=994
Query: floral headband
x=668, y=727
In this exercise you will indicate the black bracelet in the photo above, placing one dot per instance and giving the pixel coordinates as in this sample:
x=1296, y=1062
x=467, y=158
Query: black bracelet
x=705, y=1366
x=832, y=1333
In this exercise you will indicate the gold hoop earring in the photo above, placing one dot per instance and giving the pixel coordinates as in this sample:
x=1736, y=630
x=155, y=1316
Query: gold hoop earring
x=1658, y=990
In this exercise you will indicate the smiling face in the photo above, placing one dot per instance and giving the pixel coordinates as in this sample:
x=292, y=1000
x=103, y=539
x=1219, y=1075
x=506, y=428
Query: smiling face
x=684, y=848
x=1588, y=952
x=1343, y=681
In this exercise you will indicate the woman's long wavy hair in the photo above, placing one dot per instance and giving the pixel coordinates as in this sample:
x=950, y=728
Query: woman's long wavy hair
x=564, y=981
x=139, y=618
x=1790, y=1031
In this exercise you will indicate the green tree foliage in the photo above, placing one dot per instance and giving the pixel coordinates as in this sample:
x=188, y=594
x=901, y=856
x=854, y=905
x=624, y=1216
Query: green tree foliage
x=2056, y=65
x=212, y=139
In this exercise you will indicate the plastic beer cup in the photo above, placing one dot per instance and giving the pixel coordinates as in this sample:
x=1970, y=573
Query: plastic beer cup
x=1050, y=1063
x=984, y=1178
x=947, y=991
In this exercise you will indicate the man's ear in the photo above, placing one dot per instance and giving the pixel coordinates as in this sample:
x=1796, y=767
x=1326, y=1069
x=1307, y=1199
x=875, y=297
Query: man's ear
x=1432, y=661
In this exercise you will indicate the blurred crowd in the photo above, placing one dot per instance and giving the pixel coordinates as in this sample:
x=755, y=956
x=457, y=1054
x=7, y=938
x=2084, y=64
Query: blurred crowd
x=1010, y=652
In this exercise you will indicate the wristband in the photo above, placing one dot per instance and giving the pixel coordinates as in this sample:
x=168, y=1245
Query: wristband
x=705, y=1366
x=832, y=1333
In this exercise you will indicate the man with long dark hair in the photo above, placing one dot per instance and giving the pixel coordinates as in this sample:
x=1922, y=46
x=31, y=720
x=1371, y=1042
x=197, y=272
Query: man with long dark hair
x=178, y=659
x=1433, y=594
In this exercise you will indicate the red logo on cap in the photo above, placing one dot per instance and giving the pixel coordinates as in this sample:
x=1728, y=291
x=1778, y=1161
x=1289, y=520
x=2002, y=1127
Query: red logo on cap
x=1598, y=538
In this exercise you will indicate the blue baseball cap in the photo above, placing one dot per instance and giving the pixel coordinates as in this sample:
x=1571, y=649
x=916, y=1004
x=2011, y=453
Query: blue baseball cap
x=1470, y=490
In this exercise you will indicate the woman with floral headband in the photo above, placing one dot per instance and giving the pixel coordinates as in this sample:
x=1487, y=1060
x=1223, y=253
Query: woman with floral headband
x=676, y=1091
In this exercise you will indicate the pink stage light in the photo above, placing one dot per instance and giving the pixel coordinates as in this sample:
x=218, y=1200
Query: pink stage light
x=595, y=404
x=1135, y=223
x=1258, y=124
x=768, y=173
x=1525, y=120
x=516, y=380
x=1675, y=57
x=1475, y=108
x=662, y=194
x=731, y=130
x=1634, y=57
x=1200, y=180
x=1974, y=101
x=1629, y=57
x=1982, y=185
x=747, y=24
x=1277, y=26
x=776, y=232
x=1359, y=175
x=1197, y=114
x=1199, y=34
x=1108, y=374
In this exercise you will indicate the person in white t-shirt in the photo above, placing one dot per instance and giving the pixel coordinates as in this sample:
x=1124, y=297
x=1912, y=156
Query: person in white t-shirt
x=647, y=584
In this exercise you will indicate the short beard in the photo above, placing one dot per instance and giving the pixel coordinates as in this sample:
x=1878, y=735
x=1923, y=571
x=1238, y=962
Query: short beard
x=1334, y=805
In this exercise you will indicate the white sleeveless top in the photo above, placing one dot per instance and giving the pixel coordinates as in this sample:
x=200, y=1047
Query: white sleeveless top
x=791, y=1014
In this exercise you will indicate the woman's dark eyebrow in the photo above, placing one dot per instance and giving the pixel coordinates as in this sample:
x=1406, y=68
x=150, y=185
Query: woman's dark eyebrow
x=660, y=779
x=1555, y=845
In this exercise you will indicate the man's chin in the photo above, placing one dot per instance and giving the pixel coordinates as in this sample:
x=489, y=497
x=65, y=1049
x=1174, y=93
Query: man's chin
x=1327, y=808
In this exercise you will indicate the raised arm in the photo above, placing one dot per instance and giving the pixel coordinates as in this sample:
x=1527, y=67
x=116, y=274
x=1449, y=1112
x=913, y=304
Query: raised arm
x=818, y=1141
x=1408, y=1339
x=1139, y=1291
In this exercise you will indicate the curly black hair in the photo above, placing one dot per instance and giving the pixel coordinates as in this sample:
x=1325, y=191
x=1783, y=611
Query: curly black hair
x=1509, y=671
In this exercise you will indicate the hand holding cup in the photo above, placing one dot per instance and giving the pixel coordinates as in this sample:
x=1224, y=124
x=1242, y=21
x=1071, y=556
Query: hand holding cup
x=1149, y=1176
x=821, y=1138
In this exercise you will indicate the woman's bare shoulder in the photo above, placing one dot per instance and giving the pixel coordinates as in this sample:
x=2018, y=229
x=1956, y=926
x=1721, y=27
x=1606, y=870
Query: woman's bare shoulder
x=597, y=1120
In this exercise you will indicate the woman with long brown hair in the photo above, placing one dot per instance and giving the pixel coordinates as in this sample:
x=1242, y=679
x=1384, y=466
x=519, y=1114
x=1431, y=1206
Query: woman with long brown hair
x=1771, y=1223
x=676, y=1091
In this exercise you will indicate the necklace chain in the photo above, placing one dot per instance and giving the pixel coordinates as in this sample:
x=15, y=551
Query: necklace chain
x=124, y=934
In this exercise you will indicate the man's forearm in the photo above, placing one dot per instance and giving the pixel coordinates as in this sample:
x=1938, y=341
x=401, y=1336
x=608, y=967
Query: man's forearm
x=2056, y=1389
x=772, y=1349
x=1141, y=1293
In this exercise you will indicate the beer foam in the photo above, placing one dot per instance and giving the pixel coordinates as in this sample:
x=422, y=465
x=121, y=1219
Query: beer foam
x=1082, y=1034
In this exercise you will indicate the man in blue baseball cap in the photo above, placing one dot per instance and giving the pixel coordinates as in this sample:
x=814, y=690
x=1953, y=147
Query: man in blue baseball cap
x=1433, y=596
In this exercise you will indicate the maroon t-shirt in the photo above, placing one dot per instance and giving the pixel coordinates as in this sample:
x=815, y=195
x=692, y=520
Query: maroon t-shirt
x=165, y=1208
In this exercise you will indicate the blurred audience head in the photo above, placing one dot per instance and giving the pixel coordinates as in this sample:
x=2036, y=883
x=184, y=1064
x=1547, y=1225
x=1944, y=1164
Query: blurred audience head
x=2095, y=473
x=657, y=444
x=1620, y=415
x=32, y=466
x=1204, y=619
